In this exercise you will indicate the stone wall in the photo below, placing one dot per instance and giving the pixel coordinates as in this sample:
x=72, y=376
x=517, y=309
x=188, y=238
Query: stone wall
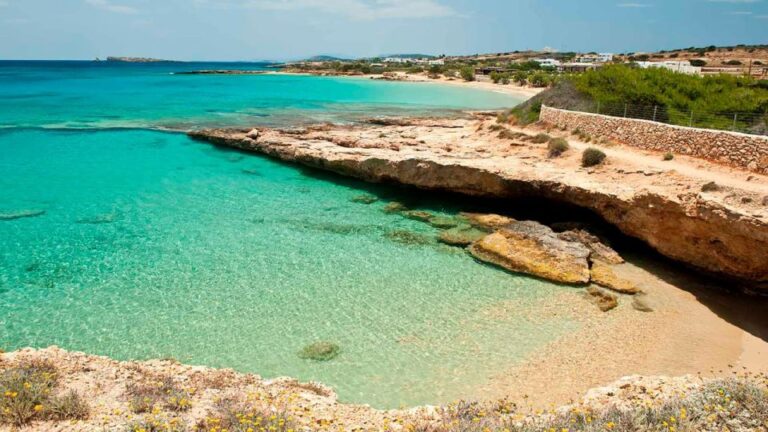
x=730, y=148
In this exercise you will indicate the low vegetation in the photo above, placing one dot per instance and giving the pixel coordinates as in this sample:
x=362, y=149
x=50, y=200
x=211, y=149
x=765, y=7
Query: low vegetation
x=715, y=101
x=668, y=156
x=28, y=393
x=733, y=404
x=159, y=392
x=557, y=146
x=592, y=157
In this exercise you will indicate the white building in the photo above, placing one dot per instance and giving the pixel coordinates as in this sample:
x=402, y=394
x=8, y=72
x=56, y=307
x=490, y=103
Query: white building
x=547, y=62
x=675, y=66
x=437, y=62
x=595, y=58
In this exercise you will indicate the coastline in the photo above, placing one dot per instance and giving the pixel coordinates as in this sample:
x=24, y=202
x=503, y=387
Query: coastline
x=510, y=89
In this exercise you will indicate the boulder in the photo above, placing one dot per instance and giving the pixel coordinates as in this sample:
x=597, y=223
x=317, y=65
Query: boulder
x=489, y=222
x=532, y=248
x=603, y=275
x=600, y=251
x=461, y=236
x=408, y=238
x=602, y=299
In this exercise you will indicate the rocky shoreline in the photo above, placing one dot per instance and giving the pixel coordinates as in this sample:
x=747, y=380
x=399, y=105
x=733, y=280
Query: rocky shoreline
x=720, y=231
x=169, y=396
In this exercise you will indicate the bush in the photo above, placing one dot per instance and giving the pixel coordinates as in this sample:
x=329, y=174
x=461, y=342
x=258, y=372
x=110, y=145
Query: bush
x=26, y=394
x=592, y=157
x=467, y=73
x=698, y=62
x=668, y=156
x=557, y=146
x=541, y=138
x=733, y=63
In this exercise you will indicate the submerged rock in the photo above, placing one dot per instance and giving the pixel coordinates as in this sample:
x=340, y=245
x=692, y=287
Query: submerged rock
x=532, y=248
x=602, y=299
x=106, y=218
x=394, y=207
x=364, y=199
x=419, y=215
x=21, y=214
x=443, y=222
x=408, y=238
x=600, y=251
x=251, y=171
x=603, y=275
x=461, y=236
x=488, y=222
x=320, y=351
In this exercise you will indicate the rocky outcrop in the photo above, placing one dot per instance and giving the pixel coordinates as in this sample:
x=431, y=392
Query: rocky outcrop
x=534, y=249
x=707, y=231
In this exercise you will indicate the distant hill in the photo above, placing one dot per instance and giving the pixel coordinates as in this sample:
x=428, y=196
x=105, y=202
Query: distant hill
x=410, y=56
x=325, y=58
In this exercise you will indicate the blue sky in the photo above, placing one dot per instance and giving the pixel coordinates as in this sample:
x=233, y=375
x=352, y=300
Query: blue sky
x=285, y=29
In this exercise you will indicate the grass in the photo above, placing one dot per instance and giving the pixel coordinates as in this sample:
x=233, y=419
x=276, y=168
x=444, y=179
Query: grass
x=592, y=157
x=27, y=393
x=557, y=146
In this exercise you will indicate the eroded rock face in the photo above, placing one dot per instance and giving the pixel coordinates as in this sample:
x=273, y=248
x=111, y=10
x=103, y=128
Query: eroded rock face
x=532, y=248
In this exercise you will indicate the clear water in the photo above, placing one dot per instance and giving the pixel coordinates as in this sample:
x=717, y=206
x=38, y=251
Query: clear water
x=153, y=245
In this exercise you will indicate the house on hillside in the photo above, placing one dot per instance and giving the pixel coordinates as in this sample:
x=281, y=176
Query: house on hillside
x=578, y=67
x=675, y=66
x=547, y=62
x=595, y=58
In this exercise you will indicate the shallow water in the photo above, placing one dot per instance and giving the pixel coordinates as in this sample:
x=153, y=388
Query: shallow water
x=143, y=244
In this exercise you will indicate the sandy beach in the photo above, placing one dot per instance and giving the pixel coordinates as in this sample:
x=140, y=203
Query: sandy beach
x=510, y=89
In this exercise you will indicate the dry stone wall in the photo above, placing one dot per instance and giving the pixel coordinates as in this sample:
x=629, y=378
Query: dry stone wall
x=730, y=148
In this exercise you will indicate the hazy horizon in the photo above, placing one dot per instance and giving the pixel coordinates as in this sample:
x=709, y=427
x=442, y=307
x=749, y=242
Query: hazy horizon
x=276, y=30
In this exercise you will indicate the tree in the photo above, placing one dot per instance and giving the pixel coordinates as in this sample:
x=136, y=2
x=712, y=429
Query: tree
x=467, y=73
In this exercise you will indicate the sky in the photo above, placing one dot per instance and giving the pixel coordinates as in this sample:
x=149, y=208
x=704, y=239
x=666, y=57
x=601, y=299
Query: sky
x=294, y=29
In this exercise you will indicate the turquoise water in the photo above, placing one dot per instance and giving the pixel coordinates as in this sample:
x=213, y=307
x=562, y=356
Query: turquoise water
x=143, y=244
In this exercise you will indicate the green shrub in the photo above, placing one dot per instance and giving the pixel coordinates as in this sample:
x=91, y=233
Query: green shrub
x=557, y=146
x=733, y=63
x=467, y=73
x=668, y=156
x=541, y=138
x=592, y=157
x=698, y=62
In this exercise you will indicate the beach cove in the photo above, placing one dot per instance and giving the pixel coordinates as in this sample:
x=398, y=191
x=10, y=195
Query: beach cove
x=131, y=240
